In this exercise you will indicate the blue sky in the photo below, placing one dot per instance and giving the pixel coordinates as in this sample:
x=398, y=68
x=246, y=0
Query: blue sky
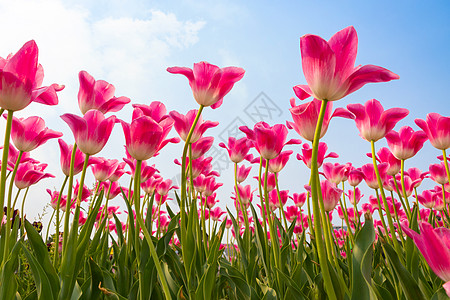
x=131, y=43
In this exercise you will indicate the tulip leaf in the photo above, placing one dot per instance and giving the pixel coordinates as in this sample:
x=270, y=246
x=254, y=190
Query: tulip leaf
x=8, y=282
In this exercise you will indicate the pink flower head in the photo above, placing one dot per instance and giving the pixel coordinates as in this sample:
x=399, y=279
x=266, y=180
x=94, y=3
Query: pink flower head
x=274, y=200
x=54, y=195
x=405, y=143
x=144, y=137
x=434, y=244
x=28, y=134
x=216, y=213
x=268, y=141
x=278, y=163
x=307, y=154
x=384, y=155
x=291, y=213
x=29, y=173
x=242, y=173
x=372, y=121
x=183, y=124
x=91, y=131
x=438, y=173
x=245, y=194
x=98, y=94
x=112, y=189
x=201, y=146
x=355, y=176
x=120, y=170
x=354, y=196
x=208, y=82
x=417, y=176
x=427, y=198
x=331, y=194
x=336, y=173
x=270, y=181
x=85, y=192
x=305, y=118
x=66, y=155
x=165, y=186
x=367, y=208
x=408, y=183
x=149, y=186
x=237, y=149
x=210, y=200
x=156, y=110
x=437, y=129
x=329, y=67
x=104, y=169
x=210, y=186
x=21, y=77
x=161, y=199
x=370, y=176
x=299, y=199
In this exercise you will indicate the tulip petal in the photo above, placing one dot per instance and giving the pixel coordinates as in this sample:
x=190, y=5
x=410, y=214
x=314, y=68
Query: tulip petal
x=367, y=74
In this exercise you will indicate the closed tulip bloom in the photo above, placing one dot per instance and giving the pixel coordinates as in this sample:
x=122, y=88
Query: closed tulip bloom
x=104, y=169
x=307, y=154
x=237, y=149
x=305, y=118
x=329, y=67
x=437, y=129
x=21, y=77
x=405, y=143
x=201, y=146
x=245, y=194
x=384, y=155
x=268, y=140
x=434, y=244
x=91, y=131
x=370, y=176
x=28, y=134
x=355, y=176
x=372, y=121
x=242, y=173
x=330, y=193
x=438, y=173
x=165, y=186
x=183, y=124
x=278, y=163
x=29, y=173
x=417, y=176
x=291, y=213
x=208, y=82
x=299, y=199
x=336, y=173
x=66, y=155
x=427, y=198
x=85, y=192
x=98, y=94
x=156, y=110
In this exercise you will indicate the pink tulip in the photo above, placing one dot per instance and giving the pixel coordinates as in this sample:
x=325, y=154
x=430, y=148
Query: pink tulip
x=354, y=196
x=384, y=155
x=278, y=163
x=149, y=185
x=13, y=155
x=434, y=244
x=417, y=176
x=409, y=187
x=372, y=121
x=29, y=173
x=54, y=200
x=305, y=118
x=104, y=169
x=405, y=143
x=208, y=82
x=161, y=199
x=245, y=194
x=91, y=131
x=21, y=77
x=210, y=201
x=156, y=110
x=210, y=186
x=120, y=170
x=98, y=94
x=165, y=186
x=291, y=213
x=237, y=149
x=274, y=201
x=28, y=134
x=427, y=198
x=329, y=67
x=183, y=124
x=268, y=141
x=66, y=155
x=307, y=154
x=355, y=176
x=437, y=129
x=201, y=146
x=242, y=173
x=299, y=199
x=336, y=173
x=368, y=208
x=438, y=173
x=270, y=181
x=112, y=189
x=216, y=213
x=85, y=192
x=370, y=176
x=331, y=195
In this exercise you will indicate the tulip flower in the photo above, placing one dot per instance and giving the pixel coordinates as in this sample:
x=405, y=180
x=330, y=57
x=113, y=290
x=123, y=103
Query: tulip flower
x=370, y=176
x=291, y=213
x=299, y=199
x=120, y=170
x=372, y=121
x=268, y=141
x=201, y=146
x=85, y=192
x=216, y=213
x=437, y=129
x=91, y=131
x=183, y=124
x=330, y=193
x=112, y=189
x=66, y=155
x=305, y=118
x=165, y=186
x=434, y=244
x=354, y=196
x=405, y=143
x=384, y=155
x=54, y=195
x=278, y=163
x=149, y=185
x=245, y=194
x=208, y=82
x=307, y=154
x=29, y=173
x=28, y=134
x=242, y=173
x=237, y=149
x=13, y=155
x=329, y=67
x=417, y=176
x=104, y=169
x=336, y=173
x=98, y=94
x=21, y=78
x=427, y=198
x=438, y=173
x=355, y=176
x=156, y=110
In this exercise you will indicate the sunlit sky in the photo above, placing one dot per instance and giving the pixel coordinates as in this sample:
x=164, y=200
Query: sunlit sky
x=131, y=43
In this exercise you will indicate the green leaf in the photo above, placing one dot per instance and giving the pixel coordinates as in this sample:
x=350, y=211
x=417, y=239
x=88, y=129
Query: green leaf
x=8, y=282
x=440, y=295
x=90, y=287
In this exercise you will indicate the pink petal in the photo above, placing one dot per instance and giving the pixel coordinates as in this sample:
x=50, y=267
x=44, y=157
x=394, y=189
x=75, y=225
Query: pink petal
x=183, y=71
x=344, y=44
x=302, y=91
x=367, y=74
x=24, y=63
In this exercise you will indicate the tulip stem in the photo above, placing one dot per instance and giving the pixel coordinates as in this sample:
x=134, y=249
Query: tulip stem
x=56, y=240
x=446, y=164
x=321, y=251
x=405, y=196
x=5, y=165
x=69, y=198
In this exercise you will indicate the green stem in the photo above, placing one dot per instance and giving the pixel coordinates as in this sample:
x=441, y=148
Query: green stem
x=281, y=202
x=69, y=198
x=5, y=164
x=56, y=241
x=408, y=208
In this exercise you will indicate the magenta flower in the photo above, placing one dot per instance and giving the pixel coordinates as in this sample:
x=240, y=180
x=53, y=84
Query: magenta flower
x=201, y=146
x=66, y=154
x=406, y=142
x=434, y=244
x=237, y=149
x=13, y=155
x=28, y=134
x=274, y=201
x=156, y=110
x=330, y=193
x=307, y=154
x=245, y=194
x=85, y=192
x=149, y=185
x=371, y=178
x=336, y=173
x=104, y=169
x=54, y=195
x=437, y=129
x=438, y=173
x=299, y=199
x=385, y=155
x=91, y=131
x=183, y=124
x=417, y=176
x=268, y=141
x=329, y=67
x=216, y=213
x=242, y=173
x=98, y=94
x=112, y=189
x=120, y=170
x=355, y=176
x=354, y=196
x=291, y=213
x=29, y=173
x=165, y=186
x=278, y=163
x=305, y=118
x=21, y=78
x=427, y=198
x=372, y=121
x=208, y=82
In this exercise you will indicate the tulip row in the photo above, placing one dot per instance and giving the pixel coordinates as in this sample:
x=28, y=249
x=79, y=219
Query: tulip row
x=280, y=251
